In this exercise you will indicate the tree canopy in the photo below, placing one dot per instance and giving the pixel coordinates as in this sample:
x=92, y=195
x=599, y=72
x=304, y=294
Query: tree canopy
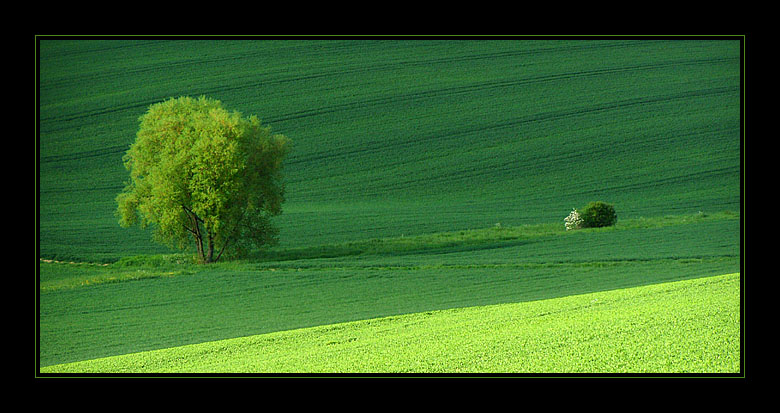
x=202, y=174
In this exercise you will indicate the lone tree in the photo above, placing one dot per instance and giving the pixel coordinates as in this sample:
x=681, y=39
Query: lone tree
x=200, y=173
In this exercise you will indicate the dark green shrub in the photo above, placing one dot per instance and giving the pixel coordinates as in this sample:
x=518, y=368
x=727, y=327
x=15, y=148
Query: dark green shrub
x=598, y=214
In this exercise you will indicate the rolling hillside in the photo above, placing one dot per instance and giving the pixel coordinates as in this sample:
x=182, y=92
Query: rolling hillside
x=91, y=311
x=680, y=327
x=427, y=175
x=402, y=137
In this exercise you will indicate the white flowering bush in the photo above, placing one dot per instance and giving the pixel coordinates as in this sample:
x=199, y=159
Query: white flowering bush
x=573, y=221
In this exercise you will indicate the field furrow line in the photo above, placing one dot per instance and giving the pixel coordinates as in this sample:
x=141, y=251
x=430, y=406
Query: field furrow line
x=104, y=111
x=690, y=177
x=471, y=88
x=109, y=150
x=537, y=163
x=56, y=55
x=63, y=190
x=385, y=100
x=508, y=123
x=384, y=184
x=341, y=266
x=151, y=69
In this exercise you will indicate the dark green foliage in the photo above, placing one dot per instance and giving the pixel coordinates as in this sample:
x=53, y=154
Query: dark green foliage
x=598, y=214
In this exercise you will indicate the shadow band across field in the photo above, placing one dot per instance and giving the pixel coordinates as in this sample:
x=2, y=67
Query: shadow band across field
x=374, y=247
x=168, y=303
x=689, y=326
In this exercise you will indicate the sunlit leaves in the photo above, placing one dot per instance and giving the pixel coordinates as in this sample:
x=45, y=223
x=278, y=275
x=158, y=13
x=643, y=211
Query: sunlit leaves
x=201, y=172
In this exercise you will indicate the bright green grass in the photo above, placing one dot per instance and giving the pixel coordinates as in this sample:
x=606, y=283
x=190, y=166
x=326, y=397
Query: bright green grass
x=406, y=138
x=147, y=303
x=501, y=236
x=689, y=326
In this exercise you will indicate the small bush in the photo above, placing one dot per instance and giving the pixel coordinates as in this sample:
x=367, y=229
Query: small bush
x=573, y=221
x=598, y=214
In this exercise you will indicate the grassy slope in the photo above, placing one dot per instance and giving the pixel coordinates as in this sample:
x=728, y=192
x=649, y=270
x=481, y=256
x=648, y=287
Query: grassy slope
x=88, y=312
x=391, y=138
x=687, y=326
x=405, y=137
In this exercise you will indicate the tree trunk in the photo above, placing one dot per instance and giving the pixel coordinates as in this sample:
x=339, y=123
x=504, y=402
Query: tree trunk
x=210, y=254
x=199, y=243
x=198, y=235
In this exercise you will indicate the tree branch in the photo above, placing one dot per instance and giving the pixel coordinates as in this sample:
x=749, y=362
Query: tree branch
x=191, y=213
x=222, y=249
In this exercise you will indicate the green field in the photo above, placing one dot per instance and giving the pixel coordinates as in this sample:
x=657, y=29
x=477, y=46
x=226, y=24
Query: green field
x=687, y=326
x=426, y=176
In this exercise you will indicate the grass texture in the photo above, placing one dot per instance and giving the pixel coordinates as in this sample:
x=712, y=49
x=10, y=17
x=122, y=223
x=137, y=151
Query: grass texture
x=689, y=326
x=423, y=224
x=403, y=137
x=148, y=303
